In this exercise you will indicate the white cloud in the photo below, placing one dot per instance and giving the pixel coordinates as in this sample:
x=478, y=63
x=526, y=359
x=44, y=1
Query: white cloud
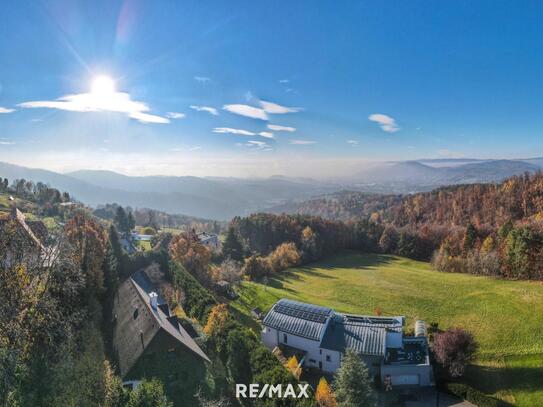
x=259, y=145
x=242, y=132
x=195, y=148
x=210, y=110
x=274, y=108
x=284, y=81
x=247, y=111
x=302, y=142
x=239, y=132
x=276, y=127
x=260, y=113
x=6, y=110
x=6, y=142
x=118, y=102
x=353, y=142
x=175, y=115
x=202, y=79
x=386, y=123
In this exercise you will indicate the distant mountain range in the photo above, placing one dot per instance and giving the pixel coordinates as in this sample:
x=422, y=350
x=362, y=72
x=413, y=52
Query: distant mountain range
x=415, y=176
x=222, y=197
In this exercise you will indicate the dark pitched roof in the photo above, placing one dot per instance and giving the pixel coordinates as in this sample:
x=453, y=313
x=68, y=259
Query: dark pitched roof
x=137, y=323
x=335, y=331
x=366, y=335
x=297, y=318
x=27, y=227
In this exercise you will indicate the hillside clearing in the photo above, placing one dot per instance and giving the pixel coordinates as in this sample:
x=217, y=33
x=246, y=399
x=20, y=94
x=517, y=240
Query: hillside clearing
x=506, y=317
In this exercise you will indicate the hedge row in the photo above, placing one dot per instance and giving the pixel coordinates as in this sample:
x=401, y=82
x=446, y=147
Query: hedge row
x=474, y=396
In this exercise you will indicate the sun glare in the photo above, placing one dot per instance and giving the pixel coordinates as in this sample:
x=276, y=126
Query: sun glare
x=103, y=85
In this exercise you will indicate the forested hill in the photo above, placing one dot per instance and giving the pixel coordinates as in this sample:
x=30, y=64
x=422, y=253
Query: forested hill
x=517, y=198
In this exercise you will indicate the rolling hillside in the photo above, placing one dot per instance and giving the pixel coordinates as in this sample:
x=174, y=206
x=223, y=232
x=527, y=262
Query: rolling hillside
x=506, y=317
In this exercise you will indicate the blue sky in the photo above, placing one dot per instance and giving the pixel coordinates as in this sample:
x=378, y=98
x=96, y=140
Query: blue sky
x=201, y=87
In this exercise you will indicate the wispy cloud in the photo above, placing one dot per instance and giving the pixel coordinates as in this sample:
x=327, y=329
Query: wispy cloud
x=195, y=148
x=262, y=112
x=276, y=127
x=284, y=80
x=229, y=130
x=175, y=115
x=259, y=145
x=247, y=111
x=210, y=110
x=275, y=108
x=118, y=102
x=6, y=110
x=353, y=142
x=242, y=132
x=202, y=79
x=386, y=123
x=302, y=142
x=6, y=142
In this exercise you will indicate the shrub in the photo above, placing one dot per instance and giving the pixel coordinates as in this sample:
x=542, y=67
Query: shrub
x=454, y=349
x=474, y=396
x=284, y=256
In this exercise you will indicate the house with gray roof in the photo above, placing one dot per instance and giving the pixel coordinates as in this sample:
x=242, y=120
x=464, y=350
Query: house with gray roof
x=145, y=327
x=322, y=335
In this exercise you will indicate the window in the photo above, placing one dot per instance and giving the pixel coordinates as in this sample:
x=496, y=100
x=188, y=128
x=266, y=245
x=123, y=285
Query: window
x=312, y=361
x=328, y=358
x=136, y=313
x=320, y=351
x=285, y=338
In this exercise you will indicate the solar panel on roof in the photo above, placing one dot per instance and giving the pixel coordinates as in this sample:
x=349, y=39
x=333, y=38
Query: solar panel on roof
x=302, y=311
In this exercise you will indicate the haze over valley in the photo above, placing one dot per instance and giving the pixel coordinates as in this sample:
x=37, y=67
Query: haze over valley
x=222, y=198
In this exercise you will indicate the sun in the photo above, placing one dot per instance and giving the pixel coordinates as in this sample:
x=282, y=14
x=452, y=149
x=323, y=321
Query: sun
x=102, y=85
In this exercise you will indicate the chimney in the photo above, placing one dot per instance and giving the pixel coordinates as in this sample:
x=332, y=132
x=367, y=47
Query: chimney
x=153, y=299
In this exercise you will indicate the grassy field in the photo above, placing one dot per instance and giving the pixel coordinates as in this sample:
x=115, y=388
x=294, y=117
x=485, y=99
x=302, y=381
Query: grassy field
x=506, y=317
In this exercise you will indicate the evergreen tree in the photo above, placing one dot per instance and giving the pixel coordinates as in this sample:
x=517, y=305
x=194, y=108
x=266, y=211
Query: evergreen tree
x=131, y=222
x=121, y=220
x=469, y=237
x=353, y=387
x=238, y=363
x=232, y=246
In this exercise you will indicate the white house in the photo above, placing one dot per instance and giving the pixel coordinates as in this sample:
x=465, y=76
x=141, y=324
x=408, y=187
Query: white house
x=210, y=240
x=323, y=335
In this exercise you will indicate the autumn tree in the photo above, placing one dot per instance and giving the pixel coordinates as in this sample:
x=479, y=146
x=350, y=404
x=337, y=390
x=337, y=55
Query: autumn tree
x=217, y=319
x=324, y=395
x=89, y=240
x=284, y=256
x=257, y=267
x=454, y=349
x=310, y=245
x=388, y=243
x=229, y=270
x=40, y=308
x=191, y=254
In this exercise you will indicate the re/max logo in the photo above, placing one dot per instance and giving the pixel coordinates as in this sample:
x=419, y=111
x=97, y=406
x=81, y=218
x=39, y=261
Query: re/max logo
x=254, y=391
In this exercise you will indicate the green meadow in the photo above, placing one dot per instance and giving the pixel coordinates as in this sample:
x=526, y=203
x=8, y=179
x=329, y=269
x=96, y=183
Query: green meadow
x=506, y=317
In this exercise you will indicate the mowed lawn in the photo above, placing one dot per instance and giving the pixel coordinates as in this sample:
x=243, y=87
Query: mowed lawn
x=506, y=317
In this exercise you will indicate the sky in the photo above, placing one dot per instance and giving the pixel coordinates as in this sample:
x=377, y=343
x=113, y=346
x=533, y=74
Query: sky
x=251, y=88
